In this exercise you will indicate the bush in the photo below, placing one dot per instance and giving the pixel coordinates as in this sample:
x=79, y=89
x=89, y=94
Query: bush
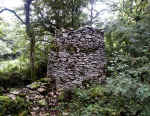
x=101, y=101
x=11, y=107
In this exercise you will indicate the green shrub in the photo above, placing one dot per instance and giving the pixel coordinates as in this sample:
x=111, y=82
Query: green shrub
x=101, y=101
x=11, y=107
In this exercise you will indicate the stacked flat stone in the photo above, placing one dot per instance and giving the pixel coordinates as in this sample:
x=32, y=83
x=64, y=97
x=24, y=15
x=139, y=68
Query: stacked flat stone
x=76, y=56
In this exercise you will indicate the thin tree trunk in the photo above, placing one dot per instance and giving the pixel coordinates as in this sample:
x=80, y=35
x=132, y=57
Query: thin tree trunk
x=32, y=56
x=72, y=14
x=91, y=15
x=31, y=36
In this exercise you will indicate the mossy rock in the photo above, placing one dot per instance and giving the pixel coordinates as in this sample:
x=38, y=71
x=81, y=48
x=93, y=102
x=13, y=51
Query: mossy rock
x=11, y=107
x=34, y=85
x=42, y=102
x=45, y=80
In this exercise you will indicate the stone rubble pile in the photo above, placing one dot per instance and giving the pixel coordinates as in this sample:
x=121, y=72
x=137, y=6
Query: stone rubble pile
x=76, y=56
x=36, y=94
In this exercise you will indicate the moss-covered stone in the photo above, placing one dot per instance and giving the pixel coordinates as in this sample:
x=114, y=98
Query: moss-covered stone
x=34, y=85
x=42, y=102
x=45, y=80
x=22, y=94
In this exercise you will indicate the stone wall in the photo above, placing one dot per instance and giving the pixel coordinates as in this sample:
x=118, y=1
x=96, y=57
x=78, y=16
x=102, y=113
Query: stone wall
x=76, y=56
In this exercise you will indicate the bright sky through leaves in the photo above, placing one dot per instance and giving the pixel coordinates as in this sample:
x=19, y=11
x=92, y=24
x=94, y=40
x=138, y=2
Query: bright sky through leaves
x=12, y=4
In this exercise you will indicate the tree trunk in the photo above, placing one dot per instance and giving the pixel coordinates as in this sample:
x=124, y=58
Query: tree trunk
x=72, y=17
x=31, y=36
x=91, y=12
x=32, y=53
x=32, y=58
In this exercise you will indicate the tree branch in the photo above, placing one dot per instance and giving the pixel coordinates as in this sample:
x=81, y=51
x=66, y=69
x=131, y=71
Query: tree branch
x=12, y=11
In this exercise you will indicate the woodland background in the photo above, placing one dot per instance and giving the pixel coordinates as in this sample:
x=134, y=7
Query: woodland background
x=24, y=49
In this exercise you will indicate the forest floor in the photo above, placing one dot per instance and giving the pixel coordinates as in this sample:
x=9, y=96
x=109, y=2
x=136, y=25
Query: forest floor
x=92, y=100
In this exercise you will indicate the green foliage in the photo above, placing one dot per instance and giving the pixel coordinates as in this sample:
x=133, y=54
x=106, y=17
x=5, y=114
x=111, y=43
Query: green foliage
x=101, y=101
x=13, y=107
x=127, y=41
x=127, y=46
x=13, y=41
x=56, y=14
x=15, y=71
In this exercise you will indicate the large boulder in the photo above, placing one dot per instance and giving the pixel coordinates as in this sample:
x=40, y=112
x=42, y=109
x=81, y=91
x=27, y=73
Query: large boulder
x=76, y=56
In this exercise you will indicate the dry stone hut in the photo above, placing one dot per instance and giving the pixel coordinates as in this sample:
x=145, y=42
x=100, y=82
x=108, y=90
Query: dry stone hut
x=76, y=56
